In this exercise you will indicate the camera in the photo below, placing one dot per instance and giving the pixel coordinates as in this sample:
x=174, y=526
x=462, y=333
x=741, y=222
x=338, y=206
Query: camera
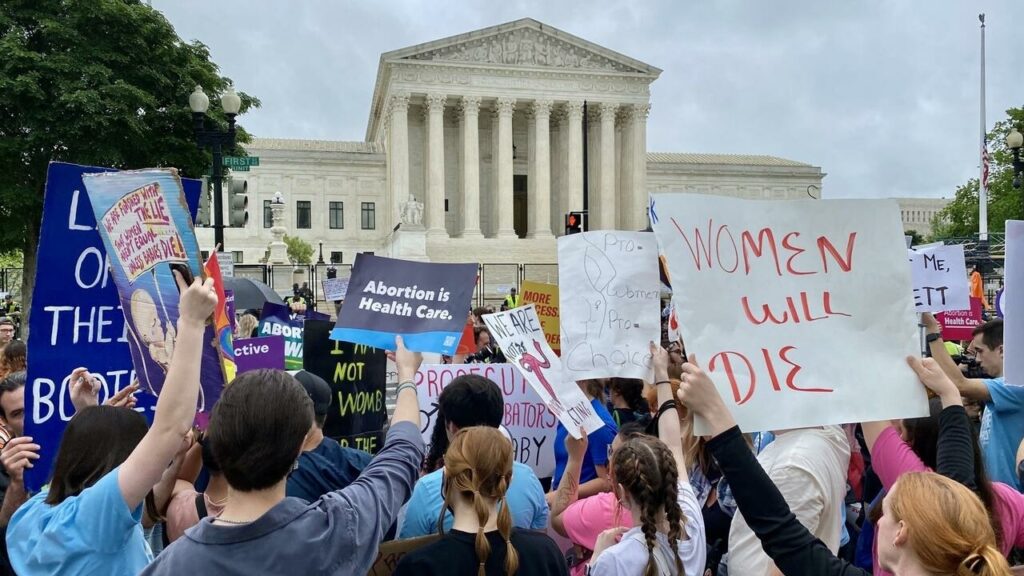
x=974, y=369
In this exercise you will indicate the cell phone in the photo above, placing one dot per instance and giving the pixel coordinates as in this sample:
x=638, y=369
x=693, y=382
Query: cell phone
x=185, y=271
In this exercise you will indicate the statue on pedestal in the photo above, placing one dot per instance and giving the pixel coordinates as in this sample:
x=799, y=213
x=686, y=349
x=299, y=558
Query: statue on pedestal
x=412, y=212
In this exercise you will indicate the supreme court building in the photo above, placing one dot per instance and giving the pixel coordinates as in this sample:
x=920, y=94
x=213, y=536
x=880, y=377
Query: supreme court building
x=475, y=146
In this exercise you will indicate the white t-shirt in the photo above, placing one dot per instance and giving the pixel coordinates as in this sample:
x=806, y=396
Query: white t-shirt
x=809, y=467
x=630, y=555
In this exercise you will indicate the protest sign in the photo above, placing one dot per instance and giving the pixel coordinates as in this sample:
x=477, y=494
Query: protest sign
x=939, y=276
x=958, y=324
x=528, y=421
x=256, y=353
x=425, y=303
x=1013, y=304
x=335, y=289
x=522, y=340
x=278, y=320
x=795, y=307
x=613, y=313
x=391, y=552
x=357, y=374
x=146, y=228
x=999, y=302
x=75, y=318
x=544, y=297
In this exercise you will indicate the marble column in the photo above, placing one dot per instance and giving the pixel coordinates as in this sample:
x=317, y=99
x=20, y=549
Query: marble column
x=640, y=193
x=606, y=169
x=573, y=181
x=469, y=117
x=627, y=219
x=398, y=152
x=539, y=220
x=502, y=160
x=434, y=108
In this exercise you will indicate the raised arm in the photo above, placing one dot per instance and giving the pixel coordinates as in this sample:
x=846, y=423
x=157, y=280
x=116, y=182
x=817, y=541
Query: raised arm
x=955, y=452
x=176, y=407
x=569, y=487
x=973, y=388
x=407, y=406
x=669, y=430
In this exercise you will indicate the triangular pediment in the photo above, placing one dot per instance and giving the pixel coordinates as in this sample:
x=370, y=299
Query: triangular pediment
x=524, y=43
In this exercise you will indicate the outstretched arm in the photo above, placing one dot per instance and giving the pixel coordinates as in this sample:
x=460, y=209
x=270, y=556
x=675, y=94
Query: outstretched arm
x=972, y=388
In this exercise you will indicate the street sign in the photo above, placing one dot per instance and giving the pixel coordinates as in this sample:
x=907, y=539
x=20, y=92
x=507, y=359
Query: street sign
x=238, y=168
x=241, y=162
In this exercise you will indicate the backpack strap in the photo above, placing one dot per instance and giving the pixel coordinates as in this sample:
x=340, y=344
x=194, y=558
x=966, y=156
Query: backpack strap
x=201, y=505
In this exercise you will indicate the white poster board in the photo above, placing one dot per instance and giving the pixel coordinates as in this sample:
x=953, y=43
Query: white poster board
x=1012, y=305
x=335, y=289
x=521, y=337
x=939, y=275
x=613, y=311
x=227, y=264
x=529, y=423
x=801, y=311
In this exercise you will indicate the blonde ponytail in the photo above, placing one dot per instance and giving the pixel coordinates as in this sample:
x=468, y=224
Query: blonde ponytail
x=987, y=561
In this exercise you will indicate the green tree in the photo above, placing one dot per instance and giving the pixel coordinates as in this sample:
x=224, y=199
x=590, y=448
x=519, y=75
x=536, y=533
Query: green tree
x=299, y=251
x=960, y=217
x=97, y=82
x=915, y=237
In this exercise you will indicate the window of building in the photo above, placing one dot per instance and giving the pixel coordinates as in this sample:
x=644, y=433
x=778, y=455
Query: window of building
x=337, y=215
x=369, y=216
x=236, y=256
x=268, y=215
x=303, y=214
x=336, y=257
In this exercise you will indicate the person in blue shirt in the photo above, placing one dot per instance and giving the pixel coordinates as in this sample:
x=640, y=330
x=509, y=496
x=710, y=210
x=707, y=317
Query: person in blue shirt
x=594, y=474
x=88, y=520
x=469, y=400
x=1002, y=425
x=324, y=465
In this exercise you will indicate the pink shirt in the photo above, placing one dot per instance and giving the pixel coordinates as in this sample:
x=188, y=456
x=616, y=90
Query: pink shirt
x=182, y=513
x=891, y=457
x=585, y=519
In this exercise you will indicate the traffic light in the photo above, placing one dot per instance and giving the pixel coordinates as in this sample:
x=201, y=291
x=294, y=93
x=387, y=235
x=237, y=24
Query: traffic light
x=238, y=203
x=574, y=223
x=203, y=214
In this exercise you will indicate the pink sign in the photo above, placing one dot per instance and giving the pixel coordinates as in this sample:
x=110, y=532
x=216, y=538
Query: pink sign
x=958, y=324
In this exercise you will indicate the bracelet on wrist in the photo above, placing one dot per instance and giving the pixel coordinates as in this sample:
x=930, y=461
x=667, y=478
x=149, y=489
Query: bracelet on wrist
x=660, y=382
x=404, y=385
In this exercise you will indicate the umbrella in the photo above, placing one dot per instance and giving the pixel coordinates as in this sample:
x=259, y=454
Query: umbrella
x=251, y=294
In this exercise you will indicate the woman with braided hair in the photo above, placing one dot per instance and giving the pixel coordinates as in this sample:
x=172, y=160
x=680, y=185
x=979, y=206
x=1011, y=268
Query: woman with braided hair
x=649, y=477
x=482, y=542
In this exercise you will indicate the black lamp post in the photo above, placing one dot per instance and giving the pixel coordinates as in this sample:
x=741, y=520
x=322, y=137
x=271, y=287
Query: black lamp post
x=216, y=140
x=1014, y=141
x=321, y=259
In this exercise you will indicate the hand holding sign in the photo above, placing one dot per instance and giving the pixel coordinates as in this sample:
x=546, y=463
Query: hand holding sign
x=698, y=393
x=17, y=455
x=85, y=389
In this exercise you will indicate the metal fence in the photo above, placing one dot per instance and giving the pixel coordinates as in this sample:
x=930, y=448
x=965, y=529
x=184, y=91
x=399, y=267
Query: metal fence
x=10, y=282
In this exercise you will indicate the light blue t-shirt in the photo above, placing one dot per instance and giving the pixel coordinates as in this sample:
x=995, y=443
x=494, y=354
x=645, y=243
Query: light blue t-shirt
x=525, y=501
x=92, y=533
x=1002, y=428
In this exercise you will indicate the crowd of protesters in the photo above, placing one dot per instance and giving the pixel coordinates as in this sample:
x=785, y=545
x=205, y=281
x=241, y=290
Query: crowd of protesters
x=263, y=491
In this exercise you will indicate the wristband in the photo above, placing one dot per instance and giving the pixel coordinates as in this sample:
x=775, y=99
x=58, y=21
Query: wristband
x=403, y=386
x=658, y=383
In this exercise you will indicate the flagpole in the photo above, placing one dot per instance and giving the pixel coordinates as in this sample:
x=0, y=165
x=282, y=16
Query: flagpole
x=982, y=181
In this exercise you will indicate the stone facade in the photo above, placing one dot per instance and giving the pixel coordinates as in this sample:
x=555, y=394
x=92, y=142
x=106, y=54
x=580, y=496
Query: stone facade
x=917, y=213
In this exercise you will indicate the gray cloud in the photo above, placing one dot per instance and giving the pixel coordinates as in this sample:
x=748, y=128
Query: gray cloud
x=882, y=95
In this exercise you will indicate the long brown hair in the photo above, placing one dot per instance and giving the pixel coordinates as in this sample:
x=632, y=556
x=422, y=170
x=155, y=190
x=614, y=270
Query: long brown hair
x=478, y=466
x=948, y=527
x=646, y=469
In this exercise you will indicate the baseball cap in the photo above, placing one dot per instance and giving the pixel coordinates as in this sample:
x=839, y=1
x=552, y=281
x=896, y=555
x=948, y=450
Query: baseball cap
x=318, y=389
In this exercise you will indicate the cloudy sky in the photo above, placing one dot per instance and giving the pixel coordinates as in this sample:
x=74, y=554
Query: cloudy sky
x=884, y=96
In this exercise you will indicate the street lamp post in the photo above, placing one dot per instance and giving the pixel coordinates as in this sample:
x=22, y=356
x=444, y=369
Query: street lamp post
x=1014, y=141
x=216, y=140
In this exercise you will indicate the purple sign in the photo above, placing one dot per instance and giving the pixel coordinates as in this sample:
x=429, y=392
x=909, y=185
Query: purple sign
x=256, y=353
x=229, y=304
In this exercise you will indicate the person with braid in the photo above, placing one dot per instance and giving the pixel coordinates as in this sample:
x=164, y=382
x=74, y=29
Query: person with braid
x=482, y=542
x=649, y=477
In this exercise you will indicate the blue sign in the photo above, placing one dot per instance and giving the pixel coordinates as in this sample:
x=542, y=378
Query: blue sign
x=76, y=318
x=426, y=303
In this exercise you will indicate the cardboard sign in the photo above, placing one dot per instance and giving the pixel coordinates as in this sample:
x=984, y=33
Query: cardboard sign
x=278, y=320
x=782, y=301
x=527, y=420
x=392, y=551
x=939, y=274
x=544, y=297
x=335, y=289
x=256, y=353
x=76, y=318
x=357, y=373
x=145, y=224
x=522, y=339
x=958, y=324
x=613, y=312
x=1012, y=304
x=425, y=303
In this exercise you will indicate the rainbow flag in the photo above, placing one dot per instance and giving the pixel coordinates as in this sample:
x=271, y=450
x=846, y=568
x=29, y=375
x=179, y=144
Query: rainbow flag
x=221, y=322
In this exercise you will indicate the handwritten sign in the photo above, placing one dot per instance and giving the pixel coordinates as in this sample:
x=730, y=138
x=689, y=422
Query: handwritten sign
x=939, y=274
x=544, y=297
x=425, y=303
x=142, y=231
x=335, y=289
x=522, y=339
x=613, y=312
x=76, y=317
x=392, y=551
x=959, y=324
x=782, y=302
x=256, y=353
x=357, y=374
x=527, y=420
x=1013, y=304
